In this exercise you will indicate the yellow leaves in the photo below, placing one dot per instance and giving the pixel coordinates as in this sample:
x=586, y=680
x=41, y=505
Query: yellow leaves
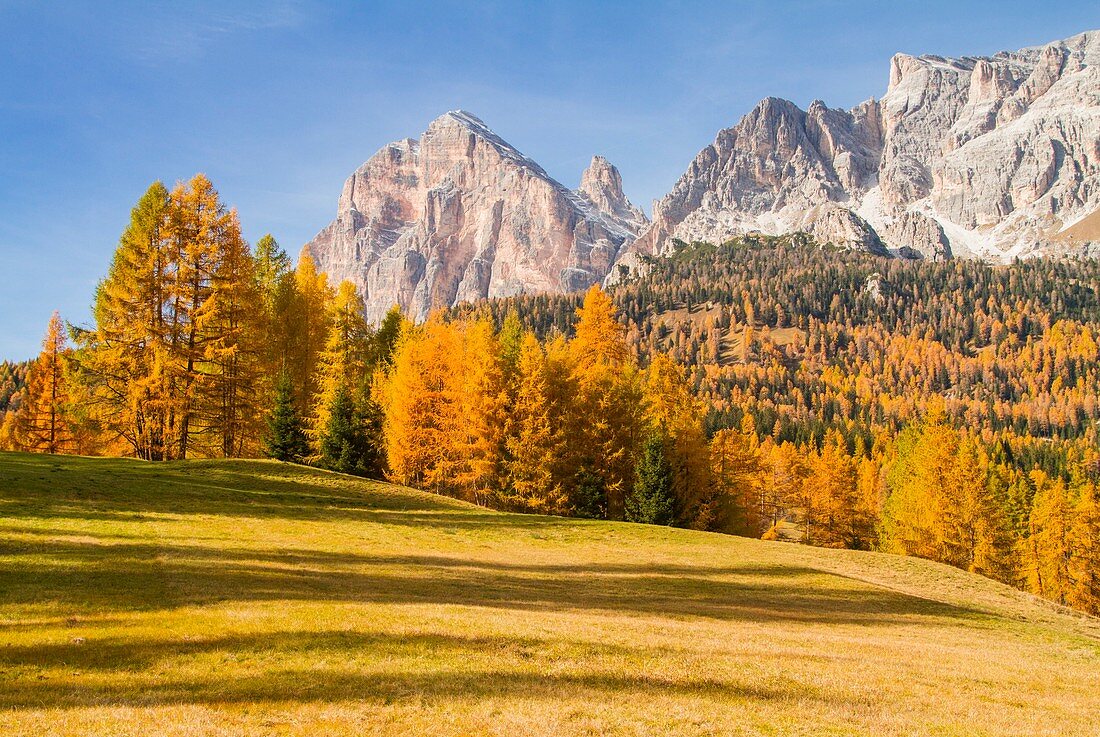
x=600, y=338
x=421, y=405
x=737, y=504
x=342, y=364
x=44, y=422
x=671, y=404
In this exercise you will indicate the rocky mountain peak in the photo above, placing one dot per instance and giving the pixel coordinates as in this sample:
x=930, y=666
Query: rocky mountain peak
x=602, y=185
x=989, y=157
x=460, y=214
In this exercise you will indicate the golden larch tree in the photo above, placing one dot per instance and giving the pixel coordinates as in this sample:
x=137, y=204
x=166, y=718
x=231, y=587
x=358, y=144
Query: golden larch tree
x=43, y=423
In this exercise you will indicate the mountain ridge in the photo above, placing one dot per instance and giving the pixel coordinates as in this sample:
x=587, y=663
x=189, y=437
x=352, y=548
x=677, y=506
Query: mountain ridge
x=990, y=157
x=961, y=156
x=460, y=214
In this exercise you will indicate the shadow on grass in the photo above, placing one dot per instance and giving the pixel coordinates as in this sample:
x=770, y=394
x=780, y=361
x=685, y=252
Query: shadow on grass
x=90, y=577
x=120, y=489
x=117, y=673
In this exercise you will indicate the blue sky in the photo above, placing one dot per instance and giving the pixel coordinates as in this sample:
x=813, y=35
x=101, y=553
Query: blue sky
x=279, y=102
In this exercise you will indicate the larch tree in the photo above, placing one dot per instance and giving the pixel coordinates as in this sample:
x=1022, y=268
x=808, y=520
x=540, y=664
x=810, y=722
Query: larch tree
x=233, y=366
x=172, y=364
x=609, y=388
x=344, y=362
x=482, y=414
x=420, y=401
x=124, y=360
x=914, y=513
x=671, y=405
x=308, y=325
x=43, y=423
x=1047, y=548
x=830, y=505
x=533, y=444
x=734, y=502
x=784, y=474
x=1084, y=540
x=978, y=527
x=277, y=294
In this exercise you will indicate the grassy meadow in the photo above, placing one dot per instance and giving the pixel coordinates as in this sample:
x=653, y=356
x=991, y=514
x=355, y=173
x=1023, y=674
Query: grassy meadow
x=249, y=597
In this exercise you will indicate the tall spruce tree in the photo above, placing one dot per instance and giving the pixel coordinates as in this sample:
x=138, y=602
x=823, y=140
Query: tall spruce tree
x=342, y=440
x=652, y=501
x=286, y=435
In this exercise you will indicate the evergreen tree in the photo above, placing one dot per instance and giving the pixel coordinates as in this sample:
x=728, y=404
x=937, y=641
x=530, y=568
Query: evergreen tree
x=588, y=495
x=342, y=441
x=286, y=436
x=385, y=337
x=653, y=499
x=272, y=265
x=371, y=424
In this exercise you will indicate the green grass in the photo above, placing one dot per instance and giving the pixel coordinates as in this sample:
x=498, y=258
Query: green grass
x=246, y=597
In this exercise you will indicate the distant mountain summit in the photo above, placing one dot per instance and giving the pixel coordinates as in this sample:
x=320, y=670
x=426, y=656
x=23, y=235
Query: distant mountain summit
x=460, y=214
x=989, y=157
x=992, y=157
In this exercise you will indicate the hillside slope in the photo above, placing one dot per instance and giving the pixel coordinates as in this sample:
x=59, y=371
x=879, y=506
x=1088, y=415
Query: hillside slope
x=258, y=598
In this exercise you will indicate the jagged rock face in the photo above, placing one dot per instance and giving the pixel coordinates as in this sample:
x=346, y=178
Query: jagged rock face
x=831, y=223
x=922, y=237
x=460, y=214
x=602, y=185
x=987, y=157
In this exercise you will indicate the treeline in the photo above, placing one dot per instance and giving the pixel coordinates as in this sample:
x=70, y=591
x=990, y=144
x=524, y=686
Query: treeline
x=204, y=347
x=13, y=377
x=930, y=409
x=764, y=388
x=559, y=426
x=807, y=339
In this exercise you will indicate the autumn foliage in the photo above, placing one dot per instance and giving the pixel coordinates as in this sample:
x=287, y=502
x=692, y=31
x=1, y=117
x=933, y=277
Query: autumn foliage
x=757, y=388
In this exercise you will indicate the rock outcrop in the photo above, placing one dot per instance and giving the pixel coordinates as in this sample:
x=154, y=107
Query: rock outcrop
x=460, y=214
x=983, y=157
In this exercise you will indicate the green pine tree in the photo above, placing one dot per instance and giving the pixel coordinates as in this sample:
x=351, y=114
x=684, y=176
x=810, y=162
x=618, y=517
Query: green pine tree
x=286, y=435
x=385, y=338
x=370, y=417
x=588, y=496
x=652, y=500
x=342, y=440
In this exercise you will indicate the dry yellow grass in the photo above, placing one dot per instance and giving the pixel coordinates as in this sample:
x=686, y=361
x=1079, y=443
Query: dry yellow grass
x=1085, y=230
x=224, y=598
x=732, y=340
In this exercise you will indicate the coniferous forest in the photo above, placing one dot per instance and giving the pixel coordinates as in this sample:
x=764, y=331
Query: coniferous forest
x=768, y=387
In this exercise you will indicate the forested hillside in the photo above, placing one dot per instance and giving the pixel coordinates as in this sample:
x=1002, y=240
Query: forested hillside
x=946, y=410
x=806, y=338
x=767, y=387
x=13, y=376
